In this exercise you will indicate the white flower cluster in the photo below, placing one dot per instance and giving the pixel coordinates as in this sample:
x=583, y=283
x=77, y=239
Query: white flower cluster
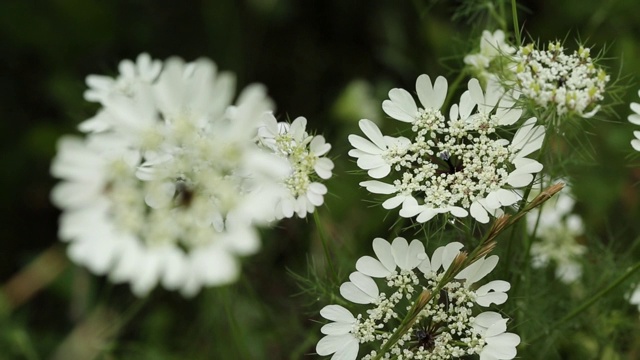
x=571, y=83
x=444, y=328
x=305, y=154
x=493, y=48
x=635, y=119
x=556, y=230
x=169, y=184
x=449, y=165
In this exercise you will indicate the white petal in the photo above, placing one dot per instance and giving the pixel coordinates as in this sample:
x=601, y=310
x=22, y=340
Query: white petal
x=379, y=172
x=378, y=187
x=354, y=294
x=393, y=202
x=337, y=313
x=383, y=251
x=332, y=343
x=399, y=248
x=479, y=213
x=363, y=144
x=371, y=267
x=372, y=131
x=336, y=328
x=403, y=99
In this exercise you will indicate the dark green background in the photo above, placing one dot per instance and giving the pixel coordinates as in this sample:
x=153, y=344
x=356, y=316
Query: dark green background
x=306, y=52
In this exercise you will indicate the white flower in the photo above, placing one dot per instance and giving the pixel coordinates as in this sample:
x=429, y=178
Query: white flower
x=401, y=276
x=338, y=339
x=556, y=229
x=635, y=119
x=500, y=345
x=634, y=296
x=570, y=83
x=306, y=157
x=171, y=190
x=144, y=70
x=397, y=254
x=492, y=46
x=459, y=166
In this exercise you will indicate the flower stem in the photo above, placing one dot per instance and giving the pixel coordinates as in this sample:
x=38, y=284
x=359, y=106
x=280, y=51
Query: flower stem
x=577, y=311
x=516, y=26
x=325, y=248
x=452, y=88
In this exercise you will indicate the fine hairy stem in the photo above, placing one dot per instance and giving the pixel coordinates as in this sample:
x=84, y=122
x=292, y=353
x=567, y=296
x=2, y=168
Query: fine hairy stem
x=325, y=248
x=516, y=26
x=577, y=311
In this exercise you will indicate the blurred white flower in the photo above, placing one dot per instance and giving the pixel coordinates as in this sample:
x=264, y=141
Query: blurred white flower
x=492, y=46
x=570, y=83
x=444, y=328
x=634, y=296
x=144, y=70
x=459, y=166
x=635, y=119
x=306, y=157
x=556, y=230
x=172, y=187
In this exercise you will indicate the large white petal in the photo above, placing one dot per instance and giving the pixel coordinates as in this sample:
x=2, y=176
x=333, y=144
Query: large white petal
x=492, y=292
x=363, y=144
x=403, y=99
x=332, y=343
x=371, y=267
x=479, y=213
x=378, y=187
x=399, y=249
x=354, y=294
x=337, y=313
x=384, y=252
x=372, y=131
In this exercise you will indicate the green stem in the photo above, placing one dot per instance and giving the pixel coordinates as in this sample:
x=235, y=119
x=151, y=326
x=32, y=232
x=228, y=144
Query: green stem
x=452, y=88
x=577, y=311
x=516, y=26
x=325, y=248
x=236, y=330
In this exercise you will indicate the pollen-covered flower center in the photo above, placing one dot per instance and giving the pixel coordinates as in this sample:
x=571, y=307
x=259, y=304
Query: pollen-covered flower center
x=301, y=159
x=571, y=82
x=184, y=202
x=451, y=163
x=443, y=329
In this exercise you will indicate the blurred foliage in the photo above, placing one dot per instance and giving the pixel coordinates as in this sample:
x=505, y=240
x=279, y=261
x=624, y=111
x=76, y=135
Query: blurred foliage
x=329, y=61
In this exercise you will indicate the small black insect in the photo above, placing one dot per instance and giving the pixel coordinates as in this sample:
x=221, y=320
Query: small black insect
x=444, y=299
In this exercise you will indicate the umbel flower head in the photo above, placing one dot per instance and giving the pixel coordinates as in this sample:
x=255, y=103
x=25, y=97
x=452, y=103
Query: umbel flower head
x=493, y=49
x=169, y=184
x=305, y=155
x=445, y=323
x=571, y=84
x=556, y=230
x=456, y=166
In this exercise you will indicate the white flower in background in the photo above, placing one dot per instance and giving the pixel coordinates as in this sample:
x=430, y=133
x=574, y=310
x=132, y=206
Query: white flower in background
x=171, y=191
x=556, y=230
x=635, y=119
x=306, y=156
x=634, y=296
x=144, y=70
x=492, y=47
x=401, y=276
x=570, y=83
x=456, y=166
